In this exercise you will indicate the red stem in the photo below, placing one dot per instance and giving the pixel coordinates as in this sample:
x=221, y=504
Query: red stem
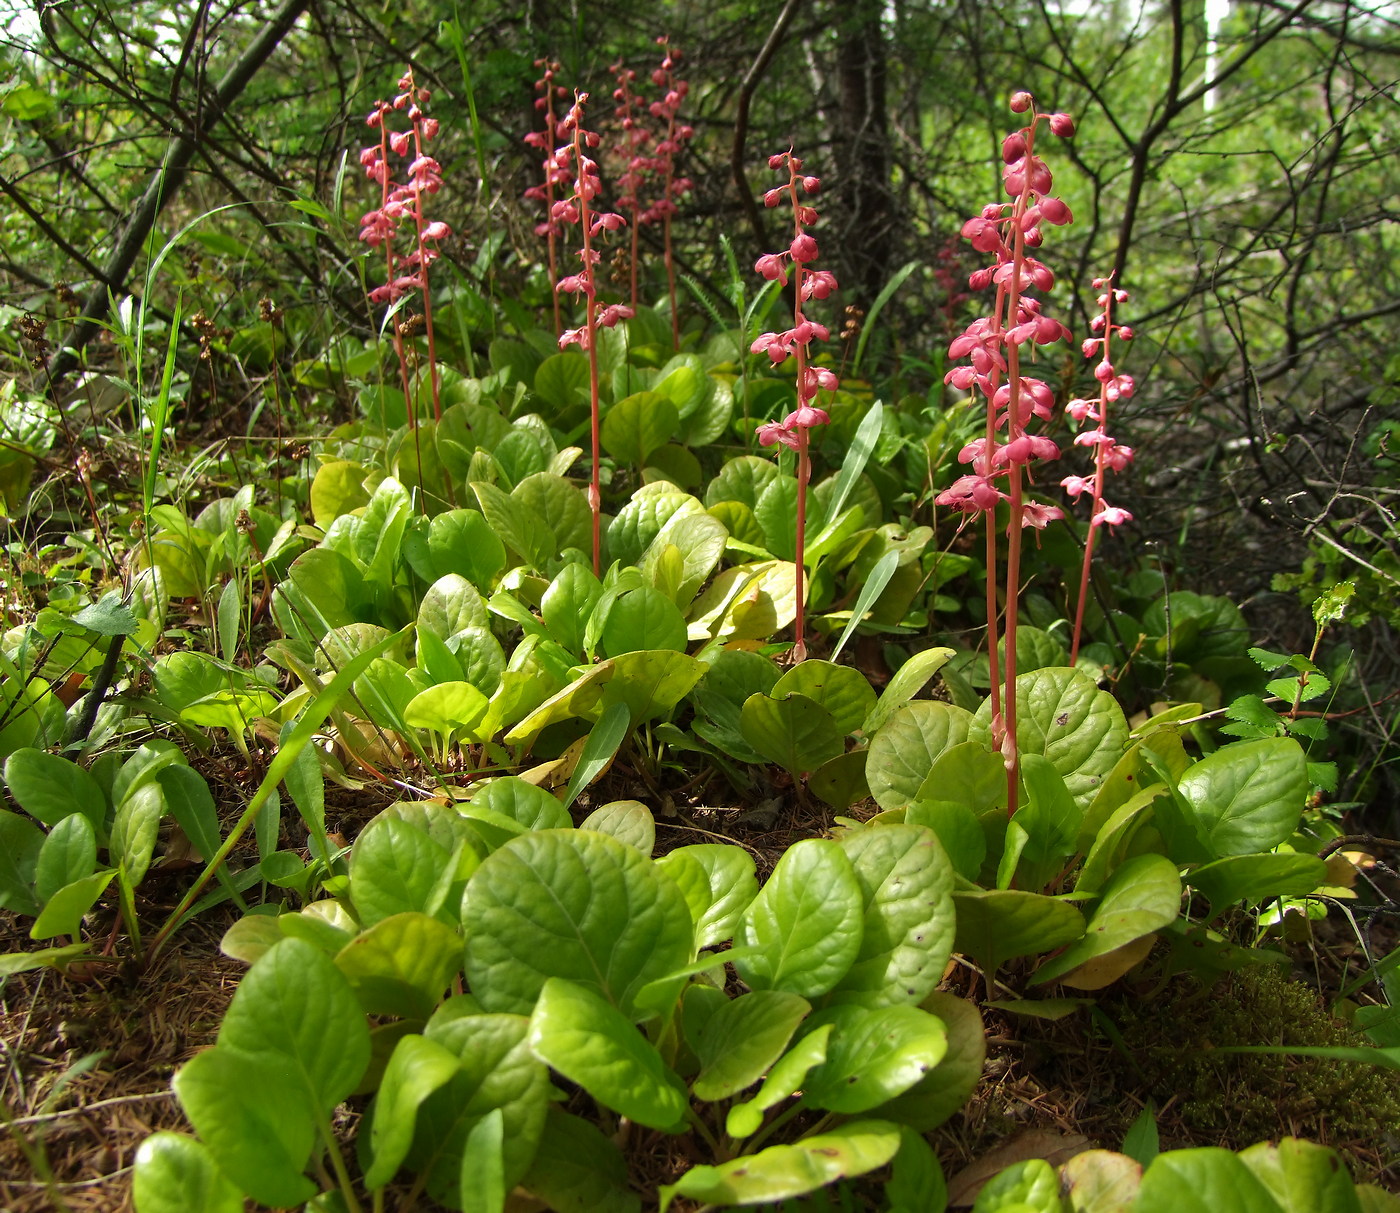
x=1099, y=449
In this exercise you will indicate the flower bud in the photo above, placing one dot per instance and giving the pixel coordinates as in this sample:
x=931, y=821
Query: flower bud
x=1020, y=102
x=1062, y=125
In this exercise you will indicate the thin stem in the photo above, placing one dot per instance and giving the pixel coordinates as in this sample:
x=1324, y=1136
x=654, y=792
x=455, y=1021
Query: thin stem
x=803, y=472
x=595, y=494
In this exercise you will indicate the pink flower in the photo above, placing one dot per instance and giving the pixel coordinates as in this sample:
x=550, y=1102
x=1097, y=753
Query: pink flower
x=971, y=494
x=1077, y=485
x=1111, y=515
x=1062, y=125
x=773, y=432
x=771, y=266
x=818, y=284
x=804, y=248
x=1039, y=515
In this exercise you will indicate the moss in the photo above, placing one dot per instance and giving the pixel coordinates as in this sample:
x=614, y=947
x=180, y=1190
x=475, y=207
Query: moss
x=1234, y=1100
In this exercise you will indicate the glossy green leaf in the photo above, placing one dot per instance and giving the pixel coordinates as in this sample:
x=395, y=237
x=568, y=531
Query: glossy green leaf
x=637, y=425
x=844, y=692
x=402, y=965
x=560, y=505
x=795, y=732
x=908, y=681
x=957, y=829
x=451, y=604
x=784, y=1079
x=521, y=531
x=782, y=1171
x=338, y=488
x=68, y=854
x=579, y=1170
x=394, y=868
x=562, y=379
x=461, y=541
x=483, y=1185
x=993, y=925
x=417, y=1068
x=64, y=911
x=640, y=521
x=451, y=709
x=1303, y=1177
x=175, y=1174
x=743, y=1038
x=652, y=682
x=805, y=922
x=585, y=1038
x=840, y=781
x=1247, y=797
x=604, y=741
x=698, y=540
x=906, y=885
x=718, y=882
x=644, y=619
x=294, y=1010
x=628, y=821
x=1141, y=896
x=255, y=1120
x=49, y=788
x=1205, y=1180
x=567, y=604
x=1028, y=1186
x=1063, y=715
x=947, y=1087
x=522, y=801
x=873, y=1056
x=136, y=828
x=1254, y=878
x=496, y=1069
x=572, y=904
x=905, y=748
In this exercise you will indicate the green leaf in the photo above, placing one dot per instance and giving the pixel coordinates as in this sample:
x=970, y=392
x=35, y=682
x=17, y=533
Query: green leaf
x=567, y=604
x=628, y=821
x=637, y=425
x=1063, y=715
x=604, y=740
x=1205, y=1180
x=719, y=884
x=1303, y=1177
x=1028, y=1186
x=522, y=801
x=562, y=379
x=295, y=1012
x=993, y=925
x=496, y=1069
x=451, y=709
x=644, y=619
x=68, y=854
x=873, y=1056
x=462, y=541
x=417, y=1068
x=337, y=489
x=255, y=1122
x=904, y=749
x=402, y=965
x=483, y=1185
x=783, y=1080
x=805, y=922
x=916, y=1183
x=20, y=844
x=875, y=583
x=1142, y=1142
x=63, y=914
x=1254, y=878
x=394, y=868
x=578, y=1170
x=743, y=1038
x=795, y=732
x=560, y=505
x=520, y=530
x=844, y=692
x=1247, y=797
x=49, y=788
x=783, y=1171
x=175, y=1174
x=957, y=828
x=136, y=828
x=1141, y=896
x=908, y=681
x=948, y=1086
x=906, y=886
x=572, y=904
x=589, y=1041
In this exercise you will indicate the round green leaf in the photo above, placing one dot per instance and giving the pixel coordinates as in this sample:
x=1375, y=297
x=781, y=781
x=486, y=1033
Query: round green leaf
x=994, y=925
x=719, y=884
x=1062, y=714
x=560, y=505
x=644, y=619
x=805, y=922
x=572, y=904
x=1205, y=1180
x=460, y=541
x=585, y=1038
x=69, y=853
x=793, y=731
x=417, y=1067
x=844, y=692
x=174, y=1174
x=1247, y=797
x=578, y=1170
x=1302, y=1176
x=1028, y=1186
x=904, y=750
x=1253, y=878
x=49, y=788
x=628, y=821
x=531, y=806
x=873, y=1056
x=948, y=1086
x=637, y=425
x=402, y=965
x=906, y=884
x=394, y=868
x=449, y=708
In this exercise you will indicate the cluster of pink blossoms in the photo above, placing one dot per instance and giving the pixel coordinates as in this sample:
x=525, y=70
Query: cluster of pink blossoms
x=404, y=201
x=577, y=209
x=675, y=136
x=1108, y=454
x=992, y=343
x=810, y=284
x=544, y=141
